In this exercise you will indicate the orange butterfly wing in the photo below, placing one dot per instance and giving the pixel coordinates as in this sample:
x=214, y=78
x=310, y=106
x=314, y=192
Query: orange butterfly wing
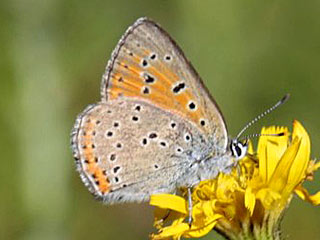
x=148, y=65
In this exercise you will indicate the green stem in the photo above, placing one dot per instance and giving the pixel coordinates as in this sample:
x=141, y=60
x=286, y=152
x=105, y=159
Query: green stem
x=269, y=229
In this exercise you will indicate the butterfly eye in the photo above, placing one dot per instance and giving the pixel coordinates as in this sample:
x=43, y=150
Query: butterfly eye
x=238, y=149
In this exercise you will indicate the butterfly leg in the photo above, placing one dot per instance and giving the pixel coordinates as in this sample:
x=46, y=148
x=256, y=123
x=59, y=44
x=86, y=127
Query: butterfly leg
x=238, y=170
x=166, y=216
x=190, y=207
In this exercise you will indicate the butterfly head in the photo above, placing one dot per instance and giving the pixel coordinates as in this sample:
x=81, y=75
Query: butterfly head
x=238, y=148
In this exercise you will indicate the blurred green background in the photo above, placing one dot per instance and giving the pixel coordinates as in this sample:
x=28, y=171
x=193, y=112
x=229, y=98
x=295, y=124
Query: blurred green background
x=53, y=53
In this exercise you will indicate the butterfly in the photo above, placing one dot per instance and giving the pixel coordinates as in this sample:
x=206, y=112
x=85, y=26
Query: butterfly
x=156, y=128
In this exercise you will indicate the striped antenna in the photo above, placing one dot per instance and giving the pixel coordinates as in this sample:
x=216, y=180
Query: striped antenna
x=269, y=110
x=259, y=135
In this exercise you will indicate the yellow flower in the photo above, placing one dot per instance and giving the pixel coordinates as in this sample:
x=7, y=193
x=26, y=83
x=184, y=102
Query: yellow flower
x=248, y=203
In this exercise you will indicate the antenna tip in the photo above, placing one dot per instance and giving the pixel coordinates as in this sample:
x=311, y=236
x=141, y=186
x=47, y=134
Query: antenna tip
x=285, y=98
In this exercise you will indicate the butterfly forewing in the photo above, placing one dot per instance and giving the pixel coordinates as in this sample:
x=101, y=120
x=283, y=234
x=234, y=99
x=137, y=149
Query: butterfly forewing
x=148, y=65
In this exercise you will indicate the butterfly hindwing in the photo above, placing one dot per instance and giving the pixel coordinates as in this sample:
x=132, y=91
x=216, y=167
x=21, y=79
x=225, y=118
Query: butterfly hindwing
x=126, y=154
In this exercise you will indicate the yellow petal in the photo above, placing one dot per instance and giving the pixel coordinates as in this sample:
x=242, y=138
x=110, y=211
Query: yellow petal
x=250, y=148
x=249, y=200
x=169, y=201
x=202, y=225
x=315, y=199
x=316, y=166
x=300, y=164
x=200, y=232
x=270, y=199
x=203, y=210
x=262, y=155
x=205, y=190
x=227, y=185
x=279, y=179
x=174, y=231
x=304, y=195
x=270, y=150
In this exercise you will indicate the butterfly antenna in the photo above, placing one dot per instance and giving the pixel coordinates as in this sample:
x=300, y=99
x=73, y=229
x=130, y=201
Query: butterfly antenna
x=269, y=110
x=259, y=135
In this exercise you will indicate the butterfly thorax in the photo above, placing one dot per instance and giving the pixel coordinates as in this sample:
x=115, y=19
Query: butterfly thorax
x=207, y=163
